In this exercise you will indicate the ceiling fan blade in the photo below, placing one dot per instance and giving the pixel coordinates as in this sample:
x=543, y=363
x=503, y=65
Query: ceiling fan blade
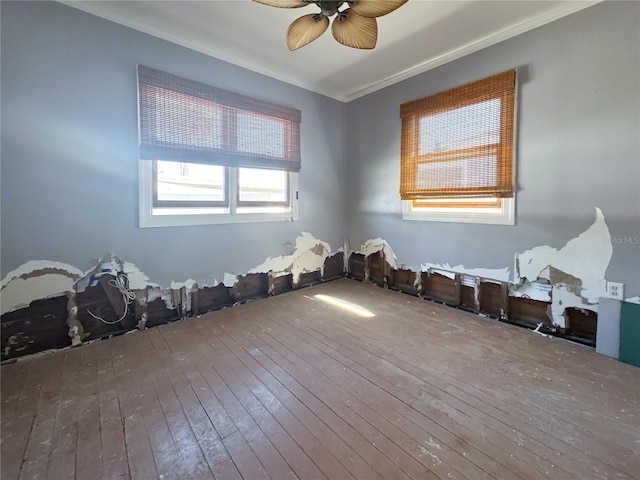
x=376, y=8
x=284, y=3
x=355, y=31
x=305, y=30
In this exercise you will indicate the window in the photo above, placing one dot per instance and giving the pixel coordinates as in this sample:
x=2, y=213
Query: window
x=208, y=155
x=457, y=153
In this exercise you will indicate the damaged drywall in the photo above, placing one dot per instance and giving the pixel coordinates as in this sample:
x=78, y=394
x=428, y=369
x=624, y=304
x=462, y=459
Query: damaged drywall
x=34, y=280
x=111, y=264
x=379, y=245
x=576, y=271
x=496, y=274
x=532, y=290
x=309, y=256
x=569, y=277
x=115, y=296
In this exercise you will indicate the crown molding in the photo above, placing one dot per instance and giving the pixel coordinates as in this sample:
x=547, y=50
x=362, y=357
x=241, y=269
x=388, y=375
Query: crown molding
x=95, y=8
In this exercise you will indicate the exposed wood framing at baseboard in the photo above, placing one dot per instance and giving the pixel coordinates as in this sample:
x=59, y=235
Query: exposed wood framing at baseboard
x=99, y=311
x=487, y=297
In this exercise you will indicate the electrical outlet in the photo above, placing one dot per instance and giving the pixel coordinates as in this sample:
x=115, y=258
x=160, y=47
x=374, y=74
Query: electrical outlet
x=615, y=290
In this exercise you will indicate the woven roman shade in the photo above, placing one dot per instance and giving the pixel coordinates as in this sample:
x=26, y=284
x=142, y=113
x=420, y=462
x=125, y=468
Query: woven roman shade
x=187, y=121
x=460, y=143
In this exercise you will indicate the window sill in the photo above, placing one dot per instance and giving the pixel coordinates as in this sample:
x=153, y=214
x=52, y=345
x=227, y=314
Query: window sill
x=150, y=220
x=494, y=216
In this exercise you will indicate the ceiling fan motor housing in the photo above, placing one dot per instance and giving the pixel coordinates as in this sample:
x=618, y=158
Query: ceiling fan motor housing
x=328, y=7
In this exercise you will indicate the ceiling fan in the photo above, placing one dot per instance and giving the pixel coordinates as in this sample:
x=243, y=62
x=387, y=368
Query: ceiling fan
x=354, y=26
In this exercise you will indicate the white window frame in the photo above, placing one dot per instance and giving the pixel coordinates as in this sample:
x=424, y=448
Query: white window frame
x=505, y=215
x=153, y=217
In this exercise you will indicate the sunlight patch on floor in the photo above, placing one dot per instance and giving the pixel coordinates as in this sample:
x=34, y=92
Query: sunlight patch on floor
x=348, y=306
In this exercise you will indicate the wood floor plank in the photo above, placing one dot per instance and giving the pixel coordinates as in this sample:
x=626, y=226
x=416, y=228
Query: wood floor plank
x=520, y=345
x=315, y=449
x=378, y=431
x=439, y=437
x=240, y=451
x=366, y=449
x=189, y=450
x=468, y=383
x=138, y=448
x=288, y=448
x=89, y=451
x=218, y=459
x=416, y=394
x=290, y=387
x=21, y=385
x=269, y=457
x=112, y=441
x=62, y=460
x=169, y=463
x=546, y=419
x=36, y=457
x=416, y=442
x=332, y=441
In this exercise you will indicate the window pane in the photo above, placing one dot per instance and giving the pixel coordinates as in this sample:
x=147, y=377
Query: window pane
x=467, y=127
x=471, y=172
x=257, y=185
x=190, y=182
x=260, y=134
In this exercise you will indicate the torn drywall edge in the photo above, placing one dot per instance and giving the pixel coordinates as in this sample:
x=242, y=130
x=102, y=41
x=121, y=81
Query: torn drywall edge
x=575, y=271
x=111, y=264
x=564, y=298
x=189, y=285
x=34, y=280
x=375, y=245
x=532, y=290
x=496, y=275
x=138, y=280
x=32, y=267
x=229, y=279
x=19, y=293
x=309, y=256
x=585, y=257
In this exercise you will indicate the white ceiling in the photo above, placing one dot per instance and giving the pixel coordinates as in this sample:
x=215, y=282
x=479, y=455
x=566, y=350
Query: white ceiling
x=419, y=36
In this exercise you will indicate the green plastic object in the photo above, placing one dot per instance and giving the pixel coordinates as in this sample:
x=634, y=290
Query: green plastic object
x=630, y=333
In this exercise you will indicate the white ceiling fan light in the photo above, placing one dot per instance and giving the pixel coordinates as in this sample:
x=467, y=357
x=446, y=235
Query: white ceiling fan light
x=354, y=26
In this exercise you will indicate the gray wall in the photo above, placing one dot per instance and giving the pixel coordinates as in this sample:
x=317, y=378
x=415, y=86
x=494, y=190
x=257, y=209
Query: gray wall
x=69, y=151
x=578, y=147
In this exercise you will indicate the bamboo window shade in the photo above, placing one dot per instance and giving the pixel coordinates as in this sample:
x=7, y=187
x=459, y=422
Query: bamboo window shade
x=187, y=121
x=460, y=143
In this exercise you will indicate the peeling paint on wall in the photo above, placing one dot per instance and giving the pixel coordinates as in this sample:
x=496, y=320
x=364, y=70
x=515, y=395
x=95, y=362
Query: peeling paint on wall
x=34, y=280
x=569, y=277
x=309, y=256
x=585, y=257
x=229, y=279
x=379, y=245
x=124, y=298
x=576, y=271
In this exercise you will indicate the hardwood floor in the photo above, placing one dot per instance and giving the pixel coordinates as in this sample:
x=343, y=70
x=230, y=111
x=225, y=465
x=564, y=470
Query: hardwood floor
x=295, y=387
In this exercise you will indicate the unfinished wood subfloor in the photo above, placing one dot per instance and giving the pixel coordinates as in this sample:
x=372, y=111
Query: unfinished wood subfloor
x=295, y=387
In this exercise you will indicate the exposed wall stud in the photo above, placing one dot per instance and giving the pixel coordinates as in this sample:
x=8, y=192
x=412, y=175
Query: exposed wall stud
x=76, y=331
